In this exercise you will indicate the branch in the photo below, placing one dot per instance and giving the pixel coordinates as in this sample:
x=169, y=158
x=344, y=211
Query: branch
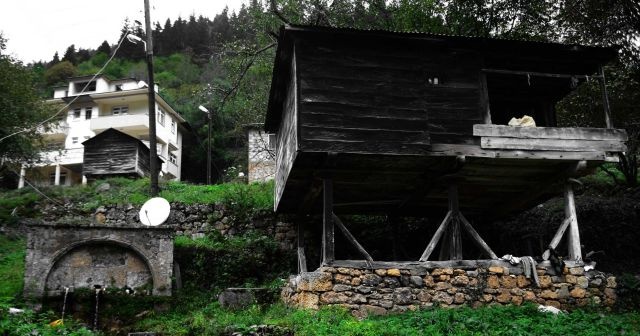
x=276, y=11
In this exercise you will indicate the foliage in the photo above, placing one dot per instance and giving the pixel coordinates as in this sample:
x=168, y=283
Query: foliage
x=20, y=108
x=30, y=323
x=215, y=262
x=12, y=256
x=58, y=73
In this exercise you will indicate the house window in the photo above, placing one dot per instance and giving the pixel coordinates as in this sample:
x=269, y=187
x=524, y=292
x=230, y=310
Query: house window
x=63, y=178
x=119, y=110
x=87, y=113
x=74, y=140
x=161, y=117
x=90, y=87
x=173, y=126
x=76, y=113
x=173, y=159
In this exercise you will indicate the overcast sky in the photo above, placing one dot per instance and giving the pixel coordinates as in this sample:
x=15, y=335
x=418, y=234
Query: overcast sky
x=36, y=29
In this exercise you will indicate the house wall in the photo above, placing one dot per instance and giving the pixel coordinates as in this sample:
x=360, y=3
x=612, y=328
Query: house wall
x=287, y=136
x=261, y=157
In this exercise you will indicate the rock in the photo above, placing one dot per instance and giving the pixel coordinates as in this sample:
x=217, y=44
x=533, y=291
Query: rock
x=553, y=303
x=597, y=282
x=307, y=300
x=496, y=270
x=458, y=298
x=386, y=303
x=416, y=281
x=341, y=288
x=570, y=278
x=443, y=297
x=333, y=297
x=393, y=272
x=381, y=272
x=373, y=310
x=578, y=292
x=371, y=280
x=103, y=187
x=529, y=296
x=358, y=298
x=392, y=282
x=493, y=282
x=508, y=281
x=460, y=280
x=504, y=297
x=423, y=296
x=582, y=282
x=344, y=270
x=548, y=294
x=611, y=282
x=100, y=218
x=442, y=286
x=516, y=300
x=428, y=281
x=315, y=282
x=563, y=292
x=402, y=296
x=610, y=293
x=235, y=299
x=545, y=281
x=576, y=271
x=356, y=281
x=363, y=289
x=522, y=281
x=487, y=297
x=342, y=279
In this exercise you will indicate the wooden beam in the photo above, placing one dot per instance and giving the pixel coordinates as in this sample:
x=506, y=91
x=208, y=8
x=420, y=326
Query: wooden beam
x=569, y=133
x=477, y=239
x=556, y=238
x=328, y=230
x=605, y=99
x=535, y=74
x=429, y=265
x=436, y=237
x=553, y=144
x=478, y=152
x=575, y=250
x=302, y=259
x=352, y=239
x=484, y=98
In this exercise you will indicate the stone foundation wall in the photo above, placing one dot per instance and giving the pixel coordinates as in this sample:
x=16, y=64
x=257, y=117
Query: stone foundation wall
x=193, y=220
x=381, y=291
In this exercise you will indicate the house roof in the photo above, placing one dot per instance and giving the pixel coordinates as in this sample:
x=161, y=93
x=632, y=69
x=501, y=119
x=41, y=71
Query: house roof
x=114, y=132
x=497, y=48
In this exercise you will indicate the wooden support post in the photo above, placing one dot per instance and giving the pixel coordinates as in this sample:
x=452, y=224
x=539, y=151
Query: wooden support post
x=302, y=259
x=556, y=239
x=605, y=99
x=575, y=251
x=436, y=236
x=353, y=240
x=328, y=230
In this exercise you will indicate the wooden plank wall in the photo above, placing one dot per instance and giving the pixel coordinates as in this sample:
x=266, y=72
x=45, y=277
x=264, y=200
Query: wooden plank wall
x=112, y=155
x=143, y=160
x=375, y=98
x=287, y=136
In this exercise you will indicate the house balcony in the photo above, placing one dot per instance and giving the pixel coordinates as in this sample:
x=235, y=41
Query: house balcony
x=132, y=124
x=57, y=131
x=63, y=157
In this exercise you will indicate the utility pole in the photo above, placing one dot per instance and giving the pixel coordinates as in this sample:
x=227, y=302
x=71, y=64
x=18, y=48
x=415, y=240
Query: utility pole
x=153, y=153
x=205, y=110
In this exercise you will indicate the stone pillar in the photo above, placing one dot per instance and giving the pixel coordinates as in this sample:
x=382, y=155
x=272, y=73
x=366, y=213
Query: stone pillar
x=57, y=177
x=23, y=173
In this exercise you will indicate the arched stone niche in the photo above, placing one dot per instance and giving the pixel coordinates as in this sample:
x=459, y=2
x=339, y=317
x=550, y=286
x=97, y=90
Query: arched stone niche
x=65, y=255
x=106, y=264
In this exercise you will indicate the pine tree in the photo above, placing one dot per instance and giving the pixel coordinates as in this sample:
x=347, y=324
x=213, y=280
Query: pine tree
x=104, y=48
x=70, y=55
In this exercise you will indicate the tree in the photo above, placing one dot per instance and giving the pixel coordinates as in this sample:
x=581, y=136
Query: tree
x=104, y=48
x=21, y=111
x=70, y=55
x=55, y=60
x=59, y=73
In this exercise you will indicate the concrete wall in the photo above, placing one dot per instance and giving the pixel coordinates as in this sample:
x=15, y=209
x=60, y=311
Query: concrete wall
x=82, y=255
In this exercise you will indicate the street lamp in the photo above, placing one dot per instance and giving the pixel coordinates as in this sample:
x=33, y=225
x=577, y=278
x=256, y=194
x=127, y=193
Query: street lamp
x=204, y=109
x=136, y=39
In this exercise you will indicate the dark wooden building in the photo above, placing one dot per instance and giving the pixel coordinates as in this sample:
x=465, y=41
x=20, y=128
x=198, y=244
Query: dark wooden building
x=113, y=153
x=406, y=123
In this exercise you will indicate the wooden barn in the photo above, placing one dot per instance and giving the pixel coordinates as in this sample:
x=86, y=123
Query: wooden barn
x=408, y=123
x=113, y=153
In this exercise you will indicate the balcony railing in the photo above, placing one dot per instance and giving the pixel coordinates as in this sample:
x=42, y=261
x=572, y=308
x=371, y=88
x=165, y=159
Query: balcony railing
x=64, y=157
x=131, y=122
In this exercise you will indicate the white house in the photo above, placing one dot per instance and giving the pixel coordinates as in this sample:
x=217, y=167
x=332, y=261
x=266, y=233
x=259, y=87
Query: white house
x=261, y=154
x=120, y=104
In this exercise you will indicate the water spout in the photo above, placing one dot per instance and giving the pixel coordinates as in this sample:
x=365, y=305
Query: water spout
x=64, y=303
x=98, y=289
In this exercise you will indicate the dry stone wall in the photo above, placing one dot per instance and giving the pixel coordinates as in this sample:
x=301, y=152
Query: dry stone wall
x=381, y=291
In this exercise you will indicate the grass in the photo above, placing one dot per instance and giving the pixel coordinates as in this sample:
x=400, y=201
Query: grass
x=12, y=253
x=136, y=192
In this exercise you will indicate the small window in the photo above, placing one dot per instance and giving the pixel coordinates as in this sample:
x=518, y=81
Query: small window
x=63, y=178
x=76, y=113
x=119, y=110
x=272, y=141
x=173, y=159
x=119, y=87
x=161, y=117
x=173, y=126
x=87, y=113
x=74, y=140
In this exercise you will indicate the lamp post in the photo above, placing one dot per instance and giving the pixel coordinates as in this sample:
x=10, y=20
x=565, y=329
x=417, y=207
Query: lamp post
x=204, y=109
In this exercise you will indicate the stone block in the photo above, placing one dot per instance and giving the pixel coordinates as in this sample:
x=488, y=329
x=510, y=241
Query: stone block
x=444, y=277
x=553, y=303
x=443, y=297
x=358, y=298
x=344, y=270
x=371, y=280
x=314, y=282
x=504, y=297
x=548, y=294
x=569, y=278
x=373, y=310
x=508, y=281
x=516, y=300
x=342, y=279
x=416, y=281
x=458, y=298
x=307, y=300
x=582, y=282
x=442, y=286
x=496, y=270
x=529, y=296
x=381, y=272
x=545, y=281
x=522, y=281
x=576, y=271
x=423, y=296
x=611, y=282
x=386, y=303
x=487, y=297
x=341, y=288
x=235, y=299
x=493, y=282
x=402, y=296
x=578, y=293
x=394, y=272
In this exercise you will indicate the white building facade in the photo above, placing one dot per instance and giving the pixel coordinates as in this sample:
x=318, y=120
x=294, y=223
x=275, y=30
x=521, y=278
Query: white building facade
x=261, y=154
x=120, y=104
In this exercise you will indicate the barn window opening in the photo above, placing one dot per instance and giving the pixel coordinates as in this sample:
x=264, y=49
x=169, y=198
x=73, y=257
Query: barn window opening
x=91, y=86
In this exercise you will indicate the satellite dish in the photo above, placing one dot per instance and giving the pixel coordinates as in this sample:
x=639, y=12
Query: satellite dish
x=155, y=211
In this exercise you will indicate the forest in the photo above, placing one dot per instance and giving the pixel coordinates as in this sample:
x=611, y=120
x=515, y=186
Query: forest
x=224, y=60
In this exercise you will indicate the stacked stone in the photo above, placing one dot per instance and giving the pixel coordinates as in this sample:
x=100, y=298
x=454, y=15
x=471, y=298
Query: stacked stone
x=382, y=291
